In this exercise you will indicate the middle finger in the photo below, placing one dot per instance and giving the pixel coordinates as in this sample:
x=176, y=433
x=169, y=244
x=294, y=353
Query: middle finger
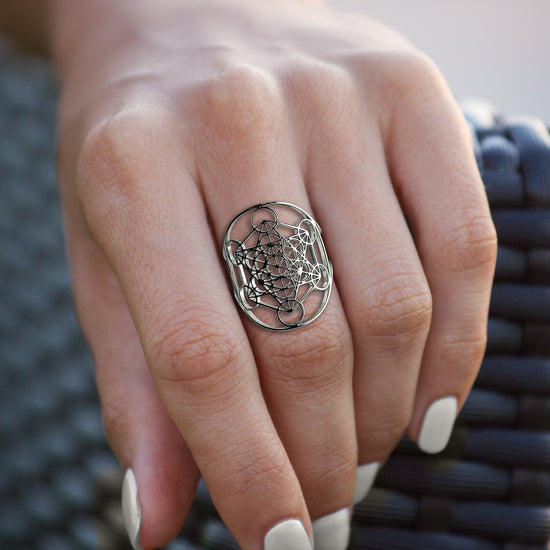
x=306, y=375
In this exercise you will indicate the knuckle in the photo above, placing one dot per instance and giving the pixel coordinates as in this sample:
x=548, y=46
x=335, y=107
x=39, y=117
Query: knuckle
x=470, y=245
x=329, y=98
x=242, y=104
x=387, y=421
x=407, y=79
x=399, y=306
x=112, y=155
x=320, y=84
x=387, y=430
x=317, y=359
x=419, y=65
x=415, y=68
x=193, y=355
x=337, y=466
x=465, y=350
x=254, y=472
x=329, y=481
x=399, y=421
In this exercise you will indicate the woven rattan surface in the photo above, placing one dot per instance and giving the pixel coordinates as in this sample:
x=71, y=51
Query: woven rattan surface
x=59, y=483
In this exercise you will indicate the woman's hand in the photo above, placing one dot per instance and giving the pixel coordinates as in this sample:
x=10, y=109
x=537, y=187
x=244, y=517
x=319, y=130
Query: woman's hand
x=176, y=116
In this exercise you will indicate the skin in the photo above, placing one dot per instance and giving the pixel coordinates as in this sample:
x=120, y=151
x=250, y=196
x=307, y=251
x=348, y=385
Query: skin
x=177, y=115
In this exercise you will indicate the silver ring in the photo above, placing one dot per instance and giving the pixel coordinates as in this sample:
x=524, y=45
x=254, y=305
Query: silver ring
x=278, y=264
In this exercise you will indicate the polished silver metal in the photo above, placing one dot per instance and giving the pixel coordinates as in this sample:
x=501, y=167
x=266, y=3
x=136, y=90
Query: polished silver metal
x=278, y=264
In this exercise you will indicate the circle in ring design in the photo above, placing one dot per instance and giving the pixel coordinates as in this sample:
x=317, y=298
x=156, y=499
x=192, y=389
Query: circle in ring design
x=278, y=264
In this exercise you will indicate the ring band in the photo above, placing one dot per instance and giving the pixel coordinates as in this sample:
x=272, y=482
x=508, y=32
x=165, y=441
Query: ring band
x=278, y=265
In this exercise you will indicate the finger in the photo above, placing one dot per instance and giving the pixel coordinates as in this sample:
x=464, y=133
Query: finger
x=379, y=274
x=445, y=203
x=148, y=217
x=305, y=374
x=138, y=428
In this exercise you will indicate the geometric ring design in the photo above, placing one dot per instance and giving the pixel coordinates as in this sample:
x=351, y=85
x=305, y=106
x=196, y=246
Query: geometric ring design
x=278, y=264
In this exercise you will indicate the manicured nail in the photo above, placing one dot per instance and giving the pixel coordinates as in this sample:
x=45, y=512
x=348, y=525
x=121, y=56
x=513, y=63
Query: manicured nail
x=438, y=425
x=332, y=532
x=366, y=475
x=287, y=535
x=131, y=509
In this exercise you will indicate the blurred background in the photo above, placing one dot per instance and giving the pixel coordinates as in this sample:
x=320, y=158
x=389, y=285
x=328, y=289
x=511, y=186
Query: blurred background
x=498, y=50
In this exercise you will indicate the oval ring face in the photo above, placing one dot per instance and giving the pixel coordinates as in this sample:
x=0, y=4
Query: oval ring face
x=279, y=269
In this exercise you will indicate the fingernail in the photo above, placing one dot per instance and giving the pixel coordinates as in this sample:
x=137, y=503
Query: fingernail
x=438, y=425
x=287, y=535
x=366, y=475
x=131, y=509
x=332, y=532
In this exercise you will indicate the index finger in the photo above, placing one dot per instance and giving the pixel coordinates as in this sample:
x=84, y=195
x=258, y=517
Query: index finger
x=150, y=221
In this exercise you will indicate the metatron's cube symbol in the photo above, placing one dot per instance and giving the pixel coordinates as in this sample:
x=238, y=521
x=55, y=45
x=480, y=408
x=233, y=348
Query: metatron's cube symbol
x=278, y=264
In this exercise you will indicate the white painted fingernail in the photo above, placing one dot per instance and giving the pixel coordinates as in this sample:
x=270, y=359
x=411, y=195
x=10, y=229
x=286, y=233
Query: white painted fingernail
x=332, y=532
x=437, y=425
x=366, y=475
x=131, y=509
x=287, y=535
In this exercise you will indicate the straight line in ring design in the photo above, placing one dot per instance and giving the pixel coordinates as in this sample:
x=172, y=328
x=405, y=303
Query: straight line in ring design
x=278, y=265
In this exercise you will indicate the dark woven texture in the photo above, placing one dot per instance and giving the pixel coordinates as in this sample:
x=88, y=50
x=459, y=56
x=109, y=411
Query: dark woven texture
x=59, y=483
